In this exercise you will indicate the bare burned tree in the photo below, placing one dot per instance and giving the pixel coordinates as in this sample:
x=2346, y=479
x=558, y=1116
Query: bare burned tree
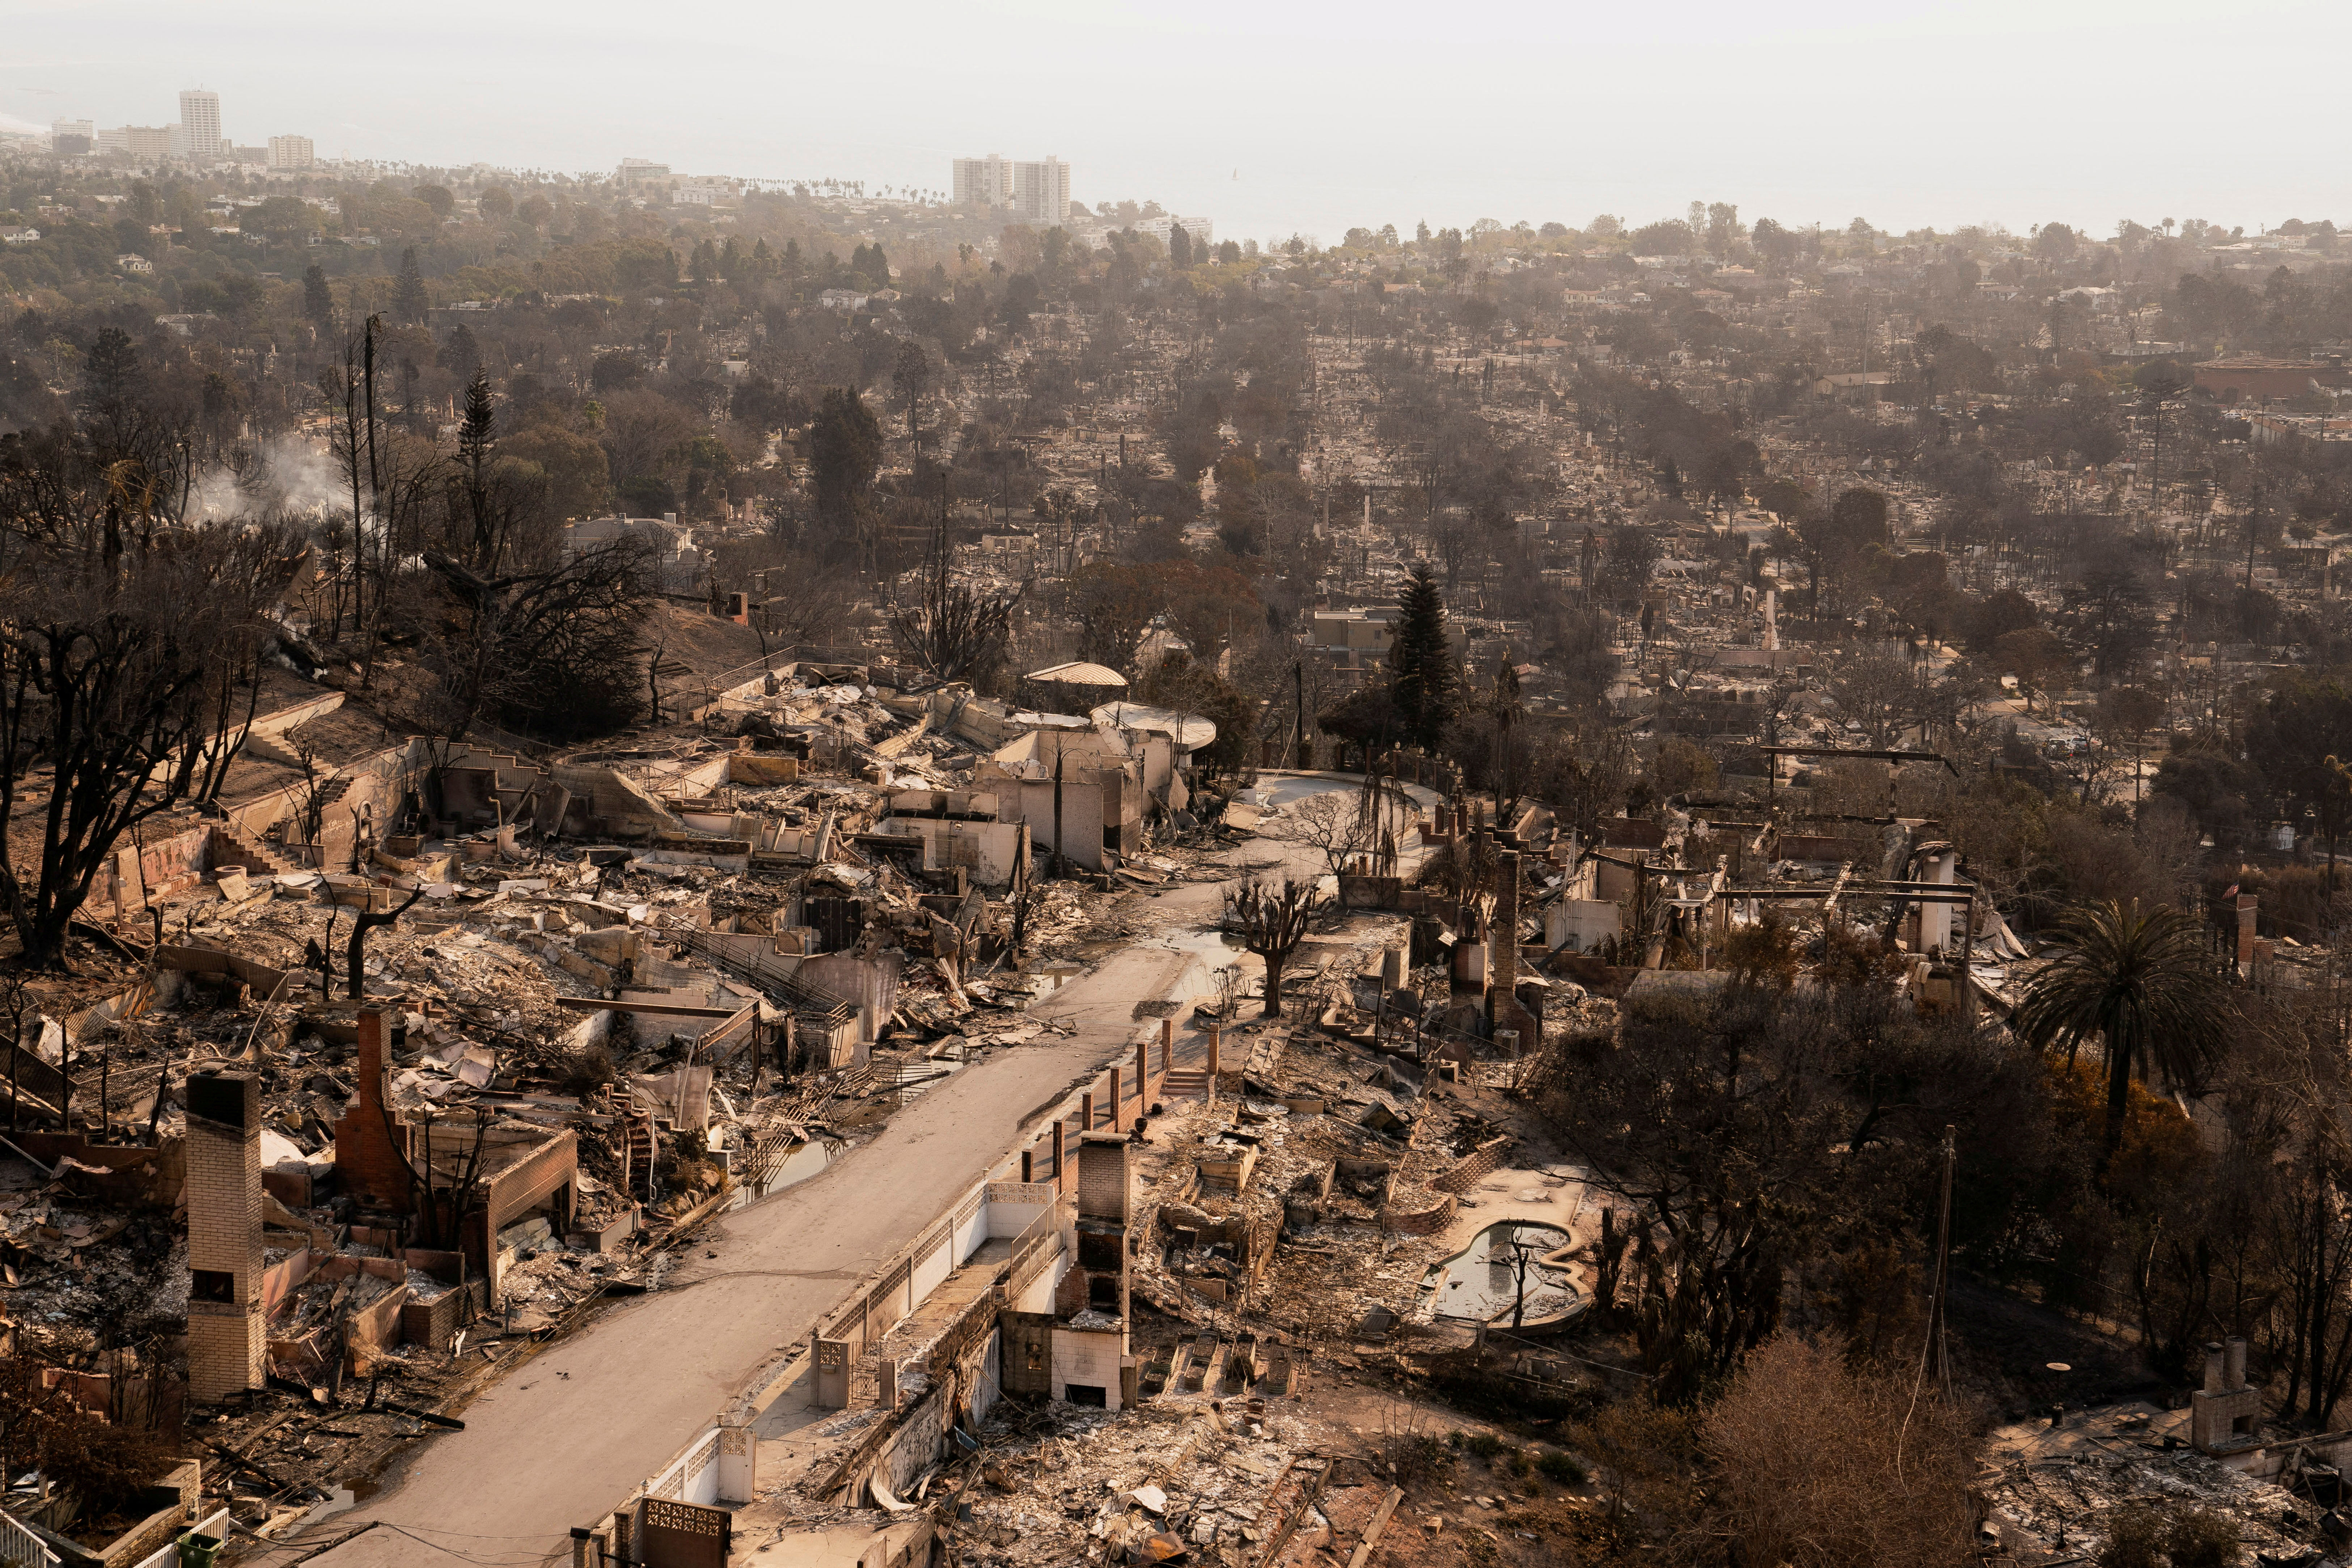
x=236, y=675
x=310, y=805
x=394, y=478
x=1379, y=806
x=519, y=627
x=441, y=1210
x=815, y=611
x=16, y=1001
x=529, y=643
x=119, y=654
x=1333, y=827
x=1272, y=919
x=355, y=954
x=954, y=632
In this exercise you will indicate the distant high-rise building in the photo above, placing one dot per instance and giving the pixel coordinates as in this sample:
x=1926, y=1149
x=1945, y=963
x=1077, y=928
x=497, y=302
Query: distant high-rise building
x=200, y=121
x=1041, y=192
x=73, y=138
x=1198, y=230
x=140, y=143
x=636, y=171
x=290, y=154
x=984, y=182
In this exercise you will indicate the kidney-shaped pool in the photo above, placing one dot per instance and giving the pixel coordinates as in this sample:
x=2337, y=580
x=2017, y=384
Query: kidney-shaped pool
x=1480, y=1283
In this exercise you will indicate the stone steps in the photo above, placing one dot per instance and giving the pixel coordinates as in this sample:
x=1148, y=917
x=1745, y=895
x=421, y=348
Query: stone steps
x=1184, y=1083
x=272, y=863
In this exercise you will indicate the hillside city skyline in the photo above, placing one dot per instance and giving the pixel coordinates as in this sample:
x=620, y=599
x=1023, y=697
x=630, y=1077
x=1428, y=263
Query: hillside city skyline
x=1995, y=116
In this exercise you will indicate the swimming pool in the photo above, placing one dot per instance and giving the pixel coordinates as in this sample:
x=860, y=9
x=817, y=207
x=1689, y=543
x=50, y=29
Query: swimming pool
x=1480, y=1283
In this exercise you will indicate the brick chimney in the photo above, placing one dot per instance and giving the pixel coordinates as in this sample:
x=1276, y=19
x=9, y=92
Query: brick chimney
x=370, y=1164
x=1106, y=1189
x=223, y=1188
x=1503, y=935
x=1105, y=1199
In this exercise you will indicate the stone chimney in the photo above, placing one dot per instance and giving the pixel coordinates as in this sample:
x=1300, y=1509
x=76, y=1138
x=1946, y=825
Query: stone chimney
x=224, y=1196
x=2225, y=1415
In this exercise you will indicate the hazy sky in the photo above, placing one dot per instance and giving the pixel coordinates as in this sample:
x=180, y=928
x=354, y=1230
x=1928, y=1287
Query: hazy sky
x=1277, y=115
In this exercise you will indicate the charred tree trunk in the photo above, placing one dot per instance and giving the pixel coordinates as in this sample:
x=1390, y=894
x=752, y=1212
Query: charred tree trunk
x=355, y=954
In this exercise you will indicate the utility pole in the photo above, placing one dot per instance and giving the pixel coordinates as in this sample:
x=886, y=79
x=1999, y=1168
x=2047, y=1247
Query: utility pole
x=1935, y=1335
x=2253, y=530
x=1298, y=724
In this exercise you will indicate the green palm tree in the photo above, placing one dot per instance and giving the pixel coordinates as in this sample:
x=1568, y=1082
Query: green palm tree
x=2139, y=981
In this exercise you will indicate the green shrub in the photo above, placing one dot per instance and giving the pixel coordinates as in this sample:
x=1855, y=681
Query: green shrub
x=1562, y=1466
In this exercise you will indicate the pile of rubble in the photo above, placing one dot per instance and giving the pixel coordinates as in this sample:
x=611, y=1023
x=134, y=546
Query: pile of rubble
x=2052, y=1488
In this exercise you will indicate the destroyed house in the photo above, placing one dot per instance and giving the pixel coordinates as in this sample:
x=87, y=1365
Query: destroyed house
x=1084, y=795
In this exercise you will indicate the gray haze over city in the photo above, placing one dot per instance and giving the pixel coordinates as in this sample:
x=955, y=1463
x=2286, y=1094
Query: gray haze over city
x=1910, y=113
x=1229, y=786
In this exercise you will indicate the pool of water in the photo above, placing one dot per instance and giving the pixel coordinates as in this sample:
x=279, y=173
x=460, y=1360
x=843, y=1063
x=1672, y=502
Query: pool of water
x=1481, y=1282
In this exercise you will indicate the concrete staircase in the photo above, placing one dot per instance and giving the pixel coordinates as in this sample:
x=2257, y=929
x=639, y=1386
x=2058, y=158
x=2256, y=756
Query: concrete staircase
x=230, y=849
x=638, y=1152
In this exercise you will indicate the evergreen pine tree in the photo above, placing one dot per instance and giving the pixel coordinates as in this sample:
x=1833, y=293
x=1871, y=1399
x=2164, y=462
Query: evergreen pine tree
x=1421, y=679
x=111, y=380
x=410, y=301
x=1180, y=245
x=318, y=299
x=460, y=355
x=845, y=450
x=476, y=439
x=478, y=429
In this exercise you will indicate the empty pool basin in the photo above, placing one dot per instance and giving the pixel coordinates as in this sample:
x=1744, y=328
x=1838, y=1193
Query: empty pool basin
x=1480, y=1283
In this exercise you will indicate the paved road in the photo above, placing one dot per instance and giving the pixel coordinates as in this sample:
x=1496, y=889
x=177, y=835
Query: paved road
x=559, y=1440
x=562, y=1438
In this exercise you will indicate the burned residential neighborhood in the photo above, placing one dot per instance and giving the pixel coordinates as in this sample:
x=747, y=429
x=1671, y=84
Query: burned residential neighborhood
x=706, y=869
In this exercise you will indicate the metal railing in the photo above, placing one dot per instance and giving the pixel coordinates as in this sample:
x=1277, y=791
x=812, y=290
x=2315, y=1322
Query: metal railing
x=768, y=973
